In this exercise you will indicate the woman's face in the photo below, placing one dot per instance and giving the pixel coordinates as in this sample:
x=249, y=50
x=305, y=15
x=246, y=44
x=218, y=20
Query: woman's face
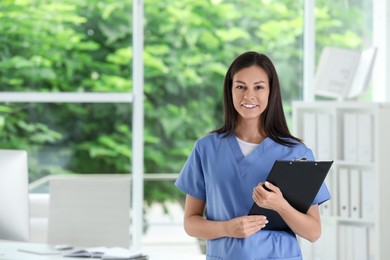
x=250, y=92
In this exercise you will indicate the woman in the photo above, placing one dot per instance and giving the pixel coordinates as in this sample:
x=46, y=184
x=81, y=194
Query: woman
x=226, y=170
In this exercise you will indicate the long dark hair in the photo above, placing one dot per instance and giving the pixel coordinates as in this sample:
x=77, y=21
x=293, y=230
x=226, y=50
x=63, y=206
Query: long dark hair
x=272, y=120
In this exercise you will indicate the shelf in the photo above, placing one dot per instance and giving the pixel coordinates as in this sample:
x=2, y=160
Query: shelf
x=355, y=135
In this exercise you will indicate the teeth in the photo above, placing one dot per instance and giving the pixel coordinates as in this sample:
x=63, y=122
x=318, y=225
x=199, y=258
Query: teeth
x=249, y=106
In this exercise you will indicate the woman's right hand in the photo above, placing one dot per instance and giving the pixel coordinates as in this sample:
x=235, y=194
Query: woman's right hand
x=245, y=226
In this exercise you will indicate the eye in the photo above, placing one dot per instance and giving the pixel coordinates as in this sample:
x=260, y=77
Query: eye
x=239, y=86
x=259, y=87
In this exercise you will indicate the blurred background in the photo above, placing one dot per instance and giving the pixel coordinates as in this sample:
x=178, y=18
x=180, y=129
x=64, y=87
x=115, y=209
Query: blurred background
x=85, y=46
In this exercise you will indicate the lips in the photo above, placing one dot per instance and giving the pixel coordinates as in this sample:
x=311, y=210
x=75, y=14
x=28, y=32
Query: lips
x=249, y=105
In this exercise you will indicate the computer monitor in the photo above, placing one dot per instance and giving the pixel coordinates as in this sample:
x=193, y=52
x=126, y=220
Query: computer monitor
x=14, y=202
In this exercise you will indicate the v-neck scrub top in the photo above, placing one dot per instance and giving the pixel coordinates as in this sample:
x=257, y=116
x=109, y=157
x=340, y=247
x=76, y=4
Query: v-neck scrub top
x=218, y=173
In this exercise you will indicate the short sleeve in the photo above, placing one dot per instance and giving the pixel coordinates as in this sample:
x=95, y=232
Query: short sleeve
x=191, y=177
x=322, y=195
x=308, y=155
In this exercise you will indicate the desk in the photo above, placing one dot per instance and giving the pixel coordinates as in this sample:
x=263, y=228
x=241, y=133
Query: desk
x=9, y=250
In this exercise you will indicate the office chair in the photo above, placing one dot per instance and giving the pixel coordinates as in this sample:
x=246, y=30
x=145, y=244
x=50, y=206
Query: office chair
x=89, y=211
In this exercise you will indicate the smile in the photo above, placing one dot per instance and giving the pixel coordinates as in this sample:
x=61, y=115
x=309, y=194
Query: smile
x=249, y=105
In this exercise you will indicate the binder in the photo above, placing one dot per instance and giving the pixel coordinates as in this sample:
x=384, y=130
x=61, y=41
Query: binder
x=360, y=237
x=369, y=189
x=324, y=136
x=353, y=242
x=343, y=192
x=326, y=208
x=310, y=131
x=350, y=136
x=299, y=181
x=325, y=247
x=343, y=73
x=364, y=137
x=342, y=242
x=355, y=191
x=349, y=247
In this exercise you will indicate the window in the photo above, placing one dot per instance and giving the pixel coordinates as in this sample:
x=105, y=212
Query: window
x=65, y=71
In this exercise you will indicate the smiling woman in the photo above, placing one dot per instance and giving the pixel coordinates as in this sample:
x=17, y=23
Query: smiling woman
x=222, y=173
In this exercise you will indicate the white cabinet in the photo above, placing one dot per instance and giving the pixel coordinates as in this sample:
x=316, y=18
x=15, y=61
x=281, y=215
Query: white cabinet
x=356, y=136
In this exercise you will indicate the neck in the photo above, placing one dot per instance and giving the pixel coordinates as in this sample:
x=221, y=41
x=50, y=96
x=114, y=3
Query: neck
x=250, y=132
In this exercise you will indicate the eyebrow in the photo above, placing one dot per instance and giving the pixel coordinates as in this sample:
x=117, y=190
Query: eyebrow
x=257, y=82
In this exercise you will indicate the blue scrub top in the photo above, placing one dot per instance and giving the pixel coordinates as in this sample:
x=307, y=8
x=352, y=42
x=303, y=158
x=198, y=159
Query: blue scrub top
x=217, y=172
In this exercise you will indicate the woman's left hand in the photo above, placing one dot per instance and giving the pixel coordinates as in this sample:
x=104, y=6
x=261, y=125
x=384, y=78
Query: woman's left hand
x=267, y=195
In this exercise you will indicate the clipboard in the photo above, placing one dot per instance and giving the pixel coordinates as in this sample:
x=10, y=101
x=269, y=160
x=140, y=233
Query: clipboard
x=299, y=181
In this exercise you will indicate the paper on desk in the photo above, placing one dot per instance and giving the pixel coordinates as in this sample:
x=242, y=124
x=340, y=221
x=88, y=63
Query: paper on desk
x=114, y=253
x=94, y=252
x=122, y=253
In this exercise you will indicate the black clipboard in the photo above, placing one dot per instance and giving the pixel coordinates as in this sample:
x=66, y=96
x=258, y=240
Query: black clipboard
x=299, y=181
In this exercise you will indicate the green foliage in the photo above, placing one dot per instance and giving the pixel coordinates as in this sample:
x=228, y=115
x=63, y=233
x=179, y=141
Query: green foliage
x=81, y=45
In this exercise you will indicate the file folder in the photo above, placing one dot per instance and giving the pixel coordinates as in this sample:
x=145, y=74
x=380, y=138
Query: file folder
x=351, y=136
x=324, y=136
x=355, y=193
x=344, y=193
x=299, y=181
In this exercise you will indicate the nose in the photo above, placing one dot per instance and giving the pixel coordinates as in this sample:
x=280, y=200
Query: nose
x=249, y=95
